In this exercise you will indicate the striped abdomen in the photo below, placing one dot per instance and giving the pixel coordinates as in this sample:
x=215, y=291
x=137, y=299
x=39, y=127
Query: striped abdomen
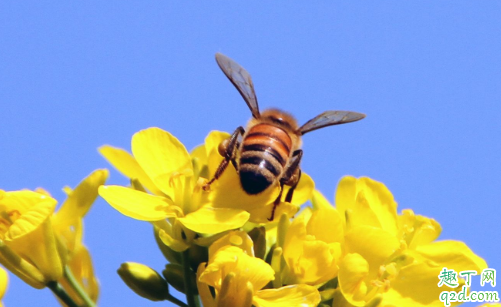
x=264, y=154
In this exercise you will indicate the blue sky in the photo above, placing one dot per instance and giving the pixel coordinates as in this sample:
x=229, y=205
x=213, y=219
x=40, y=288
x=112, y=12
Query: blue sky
x=75, y=76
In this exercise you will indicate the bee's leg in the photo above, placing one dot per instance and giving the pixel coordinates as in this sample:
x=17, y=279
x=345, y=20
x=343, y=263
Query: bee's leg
x=288, y=197
x=276, y=202
x=228, y=149
x=291, y=178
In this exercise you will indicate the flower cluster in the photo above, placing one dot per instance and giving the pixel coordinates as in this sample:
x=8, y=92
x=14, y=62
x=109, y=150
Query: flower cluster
x=222, y=249
x=43, y=247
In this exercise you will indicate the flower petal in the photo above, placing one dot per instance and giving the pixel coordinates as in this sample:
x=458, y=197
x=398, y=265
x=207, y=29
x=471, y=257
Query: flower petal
x=309, y=260
x=4, y=281
x=233, y=259
x=319, y=201
x=326, y=224
x=32, y=236
x=213, y=158
x=125, y=163
x=139, y=205
x=415, y=285
x=368, y=202
x=236, y=238
x=454, y=255
x=372, y=243
x=161, y=156
x=352, y=272
x=31, y=219
x=171, y=242
x=80, y=199
x=22, y=201
x=210, y=220
x=295, y=295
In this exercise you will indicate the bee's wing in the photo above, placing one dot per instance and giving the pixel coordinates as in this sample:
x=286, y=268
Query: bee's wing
x=241, y=79
x=330, y=118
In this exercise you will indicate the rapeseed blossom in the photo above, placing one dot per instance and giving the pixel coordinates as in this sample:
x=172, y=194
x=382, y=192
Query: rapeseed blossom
x=223, y=250
x=43, y=247
x=167, y=185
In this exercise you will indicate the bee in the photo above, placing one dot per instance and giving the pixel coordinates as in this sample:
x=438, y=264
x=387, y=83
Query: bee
x=269, y=152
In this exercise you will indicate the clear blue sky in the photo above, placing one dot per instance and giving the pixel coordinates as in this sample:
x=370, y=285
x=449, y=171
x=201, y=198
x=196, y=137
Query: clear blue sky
x=74, y=76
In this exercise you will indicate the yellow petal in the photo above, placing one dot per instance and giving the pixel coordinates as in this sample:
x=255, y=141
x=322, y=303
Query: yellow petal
x=161, y=156
x=261, y=214
x=213, y=158
x=80, y=199
x=454, y=255
x=296, y=295
x=139, y=205
x=234, y=238
x=369, y=202
x=21, y=267
x=32, y=236
x=233, y=259
x=203, y=288
x=125, y=163
x=171, y=242
x=31, y=219
x=415, y=285
x=200, y=154
x=352, y=272
x=22, y=201
x=309, y=260
x=372, y=243
x=326, y=224
x=4, y=281
x=235, y=292
x=319, y=262
x=319, y=201
x=210, y=220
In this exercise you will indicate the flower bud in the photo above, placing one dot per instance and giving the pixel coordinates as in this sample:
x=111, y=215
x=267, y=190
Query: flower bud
x=143, y=280
x=174, y=274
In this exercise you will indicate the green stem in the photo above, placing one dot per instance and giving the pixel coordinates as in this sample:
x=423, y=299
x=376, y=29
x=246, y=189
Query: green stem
x=61, y=294
x=174, y=300
x=190, y=294
x=78, y=288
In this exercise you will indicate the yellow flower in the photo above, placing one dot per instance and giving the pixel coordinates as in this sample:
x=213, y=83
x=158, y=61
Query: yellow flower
x=37, y=243
x=28, y=244
x=313, y=246
x=238, y=278
x=162, y=165
x=391, y=256
x=167, y=184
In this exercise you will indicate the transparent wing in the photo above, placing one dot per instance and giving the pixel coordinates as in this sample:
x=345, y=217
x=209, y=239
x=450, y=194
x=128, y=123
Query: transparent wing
x=241, y=79
x=330, y=118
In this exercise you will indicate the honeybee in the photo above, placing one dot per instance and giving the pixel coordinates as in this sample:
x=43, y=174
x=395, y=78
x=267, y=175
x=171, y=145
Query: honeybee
x=269, y=151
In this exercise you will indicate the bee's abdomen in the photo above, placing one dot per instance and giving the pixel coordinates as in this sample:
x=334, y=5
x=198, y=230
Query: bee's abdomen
x=265, y=151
